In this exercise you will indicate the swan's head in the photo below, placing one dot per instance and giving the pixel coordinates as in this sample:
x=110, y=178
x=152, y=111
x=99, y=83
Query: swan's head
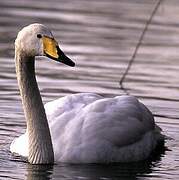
x=37, y=40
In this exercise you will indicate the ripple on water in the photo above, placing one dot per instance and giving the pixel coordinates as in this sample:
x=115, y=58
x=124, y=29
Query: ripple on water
x=101, y=37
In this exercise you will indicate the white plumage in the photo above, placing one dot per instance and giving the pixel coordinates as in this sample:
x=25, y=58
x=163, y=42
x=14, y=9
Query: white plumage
x=87, y=128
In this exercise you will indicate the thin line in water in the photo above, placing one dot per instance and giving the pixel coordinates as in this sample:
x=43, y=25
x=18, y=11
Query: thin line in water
x=121, y=82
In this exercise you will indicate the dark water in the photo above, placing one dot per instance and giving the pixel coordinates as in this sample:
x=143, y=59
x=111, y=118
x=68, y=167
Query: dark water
x=101, y=36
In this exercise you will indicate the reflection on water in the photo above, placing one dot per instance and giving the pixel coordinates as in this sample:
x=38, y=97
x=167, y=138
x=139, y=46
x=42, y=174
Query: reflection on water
x=95, y=172
x=37, y=172
x=69, y=171
x=100, y=36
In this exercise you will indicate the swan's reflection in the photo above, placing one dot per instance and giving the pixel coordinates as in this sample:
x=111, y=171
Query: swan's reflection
x=39, y=172
x=95, y=171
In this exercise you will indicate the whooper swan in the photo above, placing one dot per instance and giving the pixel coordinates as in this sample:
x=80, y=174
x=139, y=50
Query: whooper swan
x=78, y=128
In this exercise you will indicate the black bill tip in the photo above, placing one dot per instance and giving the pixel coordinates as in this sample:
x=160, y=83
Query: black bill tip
x=64, y=59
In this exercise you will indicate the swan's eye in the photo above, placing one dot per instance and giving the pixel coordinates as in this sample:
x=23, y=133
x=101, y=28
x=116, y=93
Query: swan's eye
x=39, y=36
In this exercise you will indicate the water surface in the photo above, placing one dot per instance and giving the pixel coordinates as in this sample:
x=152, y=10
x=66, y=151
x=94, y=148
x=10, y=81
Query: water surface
x=100, y=36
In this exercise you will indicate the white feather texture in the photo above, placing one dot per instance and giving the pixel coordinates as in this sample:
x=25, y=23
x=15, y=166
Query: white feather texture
x=87, y=128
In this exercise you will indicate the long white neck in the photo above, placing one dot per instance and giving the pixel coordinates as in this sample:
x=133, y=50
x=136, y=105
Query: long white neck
x=39, y=140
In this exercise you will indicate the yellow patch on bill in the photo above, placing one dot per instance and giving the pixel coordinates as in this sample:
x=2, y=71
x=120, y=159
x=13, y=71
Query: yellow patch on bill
x=50, y=46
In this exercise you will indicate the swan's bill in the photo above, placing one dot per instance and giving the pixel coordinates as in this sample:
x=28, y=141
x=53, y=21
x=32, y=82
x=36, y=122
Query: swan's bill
x=52, y=50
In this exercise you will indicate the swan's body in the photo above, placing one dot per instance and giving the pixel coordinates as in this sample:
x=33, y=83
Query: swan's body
x=84, y=128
